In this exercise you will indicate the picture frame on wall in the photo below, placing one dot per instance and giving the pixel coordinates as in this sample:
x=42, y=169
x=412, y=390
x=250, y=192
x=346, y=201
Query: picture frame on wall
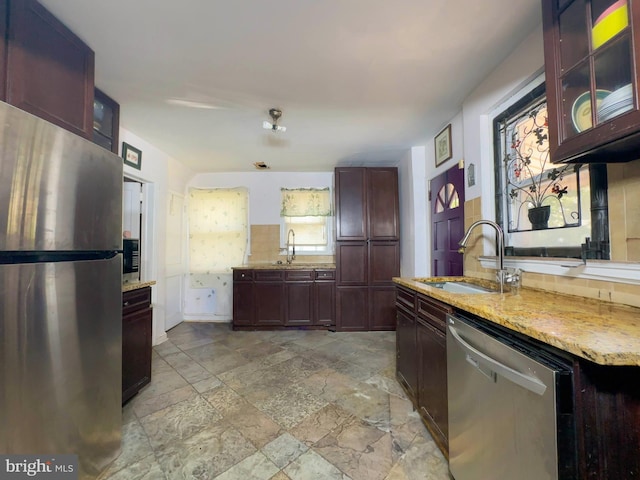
x=131, y=156
x=442, y=143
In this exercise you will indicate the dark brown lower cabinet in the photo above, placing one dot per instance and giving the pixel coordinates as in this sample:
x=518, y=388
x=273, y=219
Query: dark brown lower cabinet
x=422, y=359
x=432, y=381
x=137, y=317
x=607, y=420
x=365, y=290
x=352, y=308
x=605, y=407
x=299, y=297
x=382, y=308
x=406, y=347
x=324, y=294
x=269, y=301
x=243, y=303
x=283, y=298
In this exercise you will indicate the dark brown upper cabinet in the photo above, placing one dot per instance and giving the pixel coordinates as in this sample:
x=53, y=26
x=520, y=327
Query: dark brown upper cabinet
x=106, y=121
x=592, y=72
x=367, y=203
x=49, y=70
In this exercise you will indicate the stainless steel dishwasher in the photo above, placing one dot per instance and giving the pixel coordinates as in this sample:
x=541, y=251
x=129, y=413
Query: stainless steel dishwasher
x=510, y=406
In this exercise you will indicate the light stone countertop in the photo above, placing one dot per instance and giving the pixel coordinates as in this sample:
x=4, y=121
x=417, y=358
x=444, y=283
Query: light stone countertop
x=127, y=287
x=602, y=332
x=286, y=266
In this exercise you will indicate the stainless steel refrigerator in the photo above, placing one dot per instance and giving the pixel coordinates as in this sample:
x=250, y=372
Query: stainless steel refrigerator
x=60, y=293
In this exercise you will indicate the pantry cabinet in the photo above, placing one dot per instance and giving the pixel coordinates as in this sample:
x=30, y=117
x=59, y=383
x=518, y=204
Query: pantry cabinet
x=49, y=70
x=592, y=72
x=367, y=247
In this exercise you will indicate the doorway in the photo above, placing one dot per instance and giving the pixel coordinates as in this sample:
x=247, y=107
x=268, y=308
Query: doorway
x=447, y=222
x=132, y=228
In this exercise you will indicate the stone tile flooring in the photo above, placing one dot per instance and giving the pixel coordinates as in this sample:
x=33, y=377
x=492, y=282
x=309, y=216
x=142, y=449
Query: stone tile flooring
x=298, y=405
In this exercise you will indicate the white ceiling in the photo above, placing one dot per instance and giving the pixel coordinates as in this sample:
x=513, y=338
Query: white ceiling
x=358, y=81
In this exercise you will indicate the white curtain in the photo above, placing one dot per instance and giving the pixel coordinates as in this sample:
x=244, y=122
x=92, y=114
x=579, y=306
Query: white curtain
x=218, y=234
x=305, y=202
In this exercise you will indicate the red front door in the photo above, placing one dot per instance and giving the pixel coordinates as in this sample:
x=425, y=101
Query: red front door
x=447, y=222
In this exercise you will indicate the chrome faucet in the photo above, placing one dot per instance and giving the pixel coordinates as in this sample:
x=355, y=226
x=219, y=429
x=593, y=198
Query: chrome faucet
x=291, y=257
x=502, y=275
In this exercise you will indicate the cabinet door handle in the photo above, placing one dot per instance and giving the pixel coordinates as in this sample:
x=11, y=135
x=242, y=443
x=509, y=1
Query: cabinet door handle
x=125, y=304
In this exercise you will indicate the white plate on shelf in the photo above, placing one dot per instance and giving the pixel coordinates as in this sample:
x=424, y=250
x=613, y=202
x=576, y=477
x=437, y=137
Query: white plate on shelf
x=618, y=102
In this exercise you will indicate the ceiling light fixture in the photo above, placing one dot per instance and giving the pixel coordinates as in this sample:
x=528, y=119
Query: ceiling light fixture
x=275, y=114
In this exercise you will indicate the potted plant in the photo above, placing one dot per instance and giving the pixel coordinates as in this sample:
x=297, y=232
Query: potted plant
x=529, y=178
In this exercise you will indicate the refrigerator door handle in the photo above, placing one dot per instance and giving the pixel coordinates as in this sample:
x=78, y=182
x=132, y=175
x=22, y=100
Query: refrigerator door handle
x=525, y=381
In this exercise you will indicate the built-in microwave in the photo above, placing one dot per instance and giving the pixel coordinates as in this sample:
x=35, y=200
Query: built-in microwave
x=131, y=259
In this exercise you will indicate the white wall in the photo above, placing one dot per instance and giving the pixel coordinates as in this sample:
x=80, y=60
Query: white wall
x=154, y=174
x=264, y=189
x=524, y=64
x=472, y=129
x=413, y=214
x=430, y=172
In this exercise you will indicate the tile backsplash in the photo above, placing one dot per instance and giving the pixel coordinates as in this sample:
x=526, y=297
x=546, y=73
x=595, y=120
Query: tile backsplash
x=265, y=247
x=624, y=228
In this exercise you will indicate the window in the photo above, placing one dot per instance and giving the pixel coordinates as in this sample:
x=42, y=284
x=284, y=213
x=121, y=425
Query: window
x=218, y=232
x=307, y=211
x=544, y=208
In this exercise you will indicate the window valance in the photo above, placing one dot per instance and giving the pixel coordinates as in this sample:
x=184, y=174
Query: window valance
x=305, y=202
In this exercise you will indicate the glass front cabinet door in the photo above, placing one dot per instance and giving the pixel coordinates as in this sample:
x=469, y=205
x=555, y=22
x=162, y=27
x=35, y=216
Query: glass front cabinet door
x=592, y=72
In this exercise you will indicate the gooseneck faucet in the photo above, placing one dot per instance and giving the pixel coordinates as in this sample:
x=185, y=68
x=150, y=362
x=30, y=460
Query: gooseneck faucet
x=291, y=243
x=501, y=274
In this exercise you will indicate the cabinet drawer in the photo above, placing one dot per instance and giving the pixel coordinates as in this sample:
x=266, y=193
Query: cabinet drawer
x=433, y=311
x=406, y=299
x=325, y=274
x=242, y=275
x=298, y=275
x=135, y=300
x=268, y=275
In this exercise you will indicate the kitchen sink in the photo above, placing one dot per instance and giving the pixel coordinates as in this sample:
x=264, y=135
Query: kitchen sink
x=303, y=265
x=458, y=287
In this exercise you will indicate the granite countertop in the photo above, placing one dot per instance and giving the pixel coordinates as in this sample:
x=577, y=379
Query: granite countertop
x=127, y=287
x=285, y=266
x=602, y=332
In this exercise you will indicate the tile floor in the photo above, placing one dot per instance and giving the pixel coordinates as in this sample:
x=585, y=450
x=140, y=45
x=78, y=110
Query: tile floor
x=299, y=405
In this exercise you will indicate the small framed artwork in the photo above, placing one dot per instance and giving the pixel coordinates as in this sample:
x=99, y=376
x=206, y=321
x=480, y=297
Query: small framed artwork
x=443, y=145
x=131, y=156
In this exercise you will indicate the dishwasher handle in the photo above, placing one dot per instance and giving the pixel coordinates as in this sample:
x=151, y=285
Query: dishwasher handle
x=530, y=383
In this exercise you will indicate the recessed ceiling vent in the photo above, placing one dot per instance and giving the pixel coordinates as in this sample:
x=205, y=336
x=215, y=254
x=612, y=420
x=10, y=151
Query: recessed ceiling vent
x=261, y=166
